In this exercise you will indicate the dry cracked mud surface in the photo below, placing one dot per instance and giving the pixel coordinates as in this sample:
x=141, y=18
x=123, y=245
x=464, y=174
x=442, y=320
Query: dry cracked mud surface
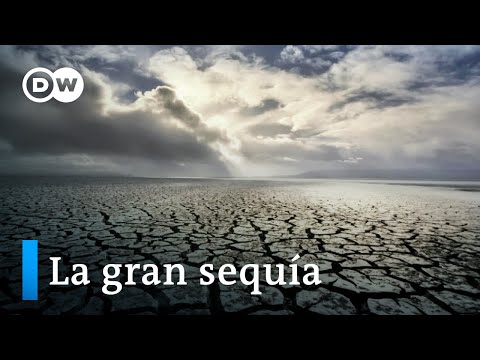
x=381, y=248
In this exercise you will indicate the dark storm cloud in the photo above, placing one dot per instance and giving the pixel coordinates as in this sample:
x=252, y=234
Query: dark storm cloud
x=123, y=71
x=374, y=99
x=458, y=155
x=311, y=60
x=440, y=65
x=192, y=120
x=82, y=127
x=265, y=106
x=455, y=72
x=275, y=151
x=167, y=110
x=400, y=57
x=116, y=62
x=271, y=129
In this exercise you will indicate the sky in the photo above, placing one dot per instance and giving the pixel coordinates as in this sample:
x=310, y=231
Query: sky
x=219, y=111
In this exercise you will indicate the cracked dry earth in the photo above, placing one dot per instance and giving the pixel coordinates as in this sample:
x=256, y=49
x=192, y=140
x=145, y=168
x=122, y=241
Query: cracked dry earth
x=382, y=249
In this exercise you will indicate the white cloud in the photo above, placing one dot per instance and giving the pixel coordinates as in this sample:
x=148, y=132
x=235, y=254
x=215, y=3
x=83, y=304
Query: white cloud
x=302, y=55
x=390, y=106
x=392, y=134
x=292, y=54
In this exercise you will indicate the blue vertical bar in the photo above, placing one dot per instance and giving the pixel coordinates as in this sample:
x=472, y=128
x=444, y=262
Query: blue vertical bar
x=29, y=269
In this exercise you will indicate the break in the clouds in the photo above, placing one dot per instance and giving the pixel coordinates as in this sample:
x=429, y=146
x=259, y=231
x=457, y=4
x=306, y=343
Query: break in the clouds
x=245, y=110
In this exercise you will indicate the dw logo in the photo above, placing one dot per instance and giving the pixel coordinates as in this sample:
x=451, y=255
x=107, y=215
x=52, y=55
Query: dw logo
x=40, y=85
